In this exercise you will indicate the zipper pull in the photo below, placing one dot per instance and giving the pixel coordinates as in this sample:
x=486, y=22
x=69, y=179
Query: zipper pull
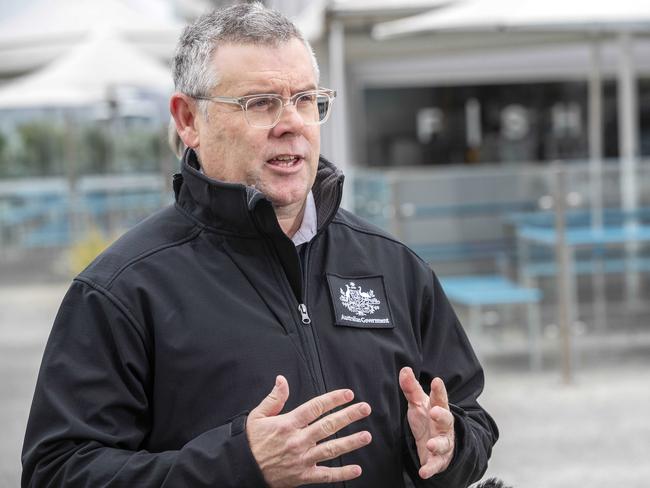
x=302, y=308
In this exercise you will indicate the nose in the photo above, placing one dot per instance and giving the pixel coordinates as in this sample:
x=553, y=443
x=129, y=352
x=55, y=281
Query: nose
x=290, y=120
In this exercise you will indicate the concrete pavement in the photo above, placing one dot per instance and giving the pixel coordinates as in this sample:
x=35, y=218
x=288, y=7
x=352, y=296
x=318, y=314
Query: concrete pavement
x=26, y=314
x=594, y=433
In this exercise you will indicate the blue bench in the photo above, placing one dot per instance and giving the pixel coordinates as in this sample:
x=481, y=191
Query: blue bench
x=590, y=266
x=488, y=290
x=477, y=291
x=462, y=251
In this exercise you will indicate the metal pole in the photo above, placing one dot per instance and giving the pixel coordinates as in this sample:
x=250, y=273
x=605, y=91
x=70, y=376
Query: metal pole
x=628, y=123
x=394, y=207
x=339, y=116
x=596, y=180
x=72, y=177
x=564, y=270
x=596, y=134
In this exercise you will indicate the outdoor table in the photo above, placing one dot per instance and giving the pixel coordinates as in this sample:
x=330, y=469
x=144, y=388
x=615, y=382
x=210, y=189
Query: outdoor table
x=573, y=238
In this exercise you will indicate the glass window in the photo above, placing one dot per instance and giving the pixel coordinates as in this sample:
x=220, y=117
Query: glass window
x=490, y=123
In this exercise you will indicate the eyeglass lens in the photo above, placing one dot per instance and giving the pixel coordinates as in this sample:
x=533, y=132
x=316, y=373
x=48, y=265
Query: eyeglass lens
x=265, y=111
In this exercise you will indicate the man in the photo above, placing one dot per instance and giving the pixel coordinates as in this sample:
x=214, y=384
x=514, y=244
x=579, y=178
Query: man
x=222, y=341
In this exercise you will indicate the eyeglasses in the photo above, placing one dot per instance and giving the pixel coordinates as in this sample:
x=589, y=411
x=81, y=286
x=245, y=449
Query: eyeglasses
x=264, y=110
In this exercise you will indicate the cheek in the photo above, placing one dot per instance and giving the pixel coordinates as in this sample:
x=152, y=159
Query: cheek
x=313, y=136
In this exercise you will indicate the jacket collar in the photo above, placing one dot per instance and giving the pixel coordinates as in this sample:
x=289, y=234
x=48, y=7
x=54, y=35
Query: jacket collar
x=235, y=208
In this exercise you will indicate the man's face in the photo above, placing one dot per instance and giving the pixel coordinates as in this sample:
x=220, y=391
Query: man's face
x=231, y=150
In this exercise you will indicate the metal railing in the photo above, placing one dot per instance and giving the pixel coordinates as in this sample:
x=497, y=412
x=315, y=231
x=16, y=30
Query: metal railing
x=47, y=213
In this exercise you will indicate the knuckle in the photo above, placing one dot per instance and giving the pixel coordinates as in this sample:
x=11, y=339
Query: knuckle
x=283, y=428
x=305, y=477
x=330, y=450
x=293, y=444
x=438, y=410
x=351, y=415
x=326, y=476
x=437, y=447
x=316, y=408
x=328, y=426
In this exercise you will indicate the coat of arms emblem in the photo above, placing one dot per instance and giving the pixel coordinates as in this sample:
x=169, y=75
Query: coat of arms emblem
x=358, y=301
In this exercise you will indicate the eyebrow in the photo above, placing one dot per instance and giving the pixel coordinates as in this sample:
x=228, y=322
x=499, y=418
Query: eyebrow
x=266, y=91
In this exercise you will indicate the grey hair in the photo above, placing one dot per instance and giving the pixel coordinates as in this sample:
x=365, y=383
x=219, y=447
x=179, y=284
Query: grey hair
x=251, y=23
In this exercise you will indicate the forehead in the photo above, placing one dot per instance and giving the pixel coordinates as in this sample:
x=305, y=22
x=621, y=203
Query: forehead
x=285, y=67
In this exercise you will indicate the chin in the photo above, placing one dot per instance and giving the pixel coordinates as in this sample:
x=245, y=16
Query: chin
x=286, y=198
x=285, y=201
x=282, y=195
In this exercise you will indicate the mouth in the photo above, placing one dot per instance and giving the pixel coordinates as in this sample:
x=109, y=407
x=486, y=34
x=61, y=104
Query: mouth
x=285, y=161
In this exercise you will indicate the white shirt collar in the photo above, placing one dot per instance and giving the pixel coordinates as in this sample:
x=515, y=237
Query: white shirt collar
x=309, y=224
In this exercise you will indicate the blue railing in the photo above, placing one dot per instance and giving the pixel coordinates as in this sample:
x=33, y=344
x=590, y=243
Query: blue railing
x=49, y=215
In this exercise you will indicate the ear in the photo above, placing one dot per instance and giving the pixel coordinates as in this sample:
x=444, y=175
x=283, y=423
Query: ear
x=184, y=110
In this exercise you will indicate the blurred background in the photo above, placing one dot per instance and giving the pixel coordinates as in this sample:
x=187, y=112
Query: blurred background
x=507, y=142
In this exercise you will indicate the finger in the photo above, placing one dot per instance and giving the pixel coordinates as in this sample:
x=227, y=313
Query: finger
x=411, y=387
x=337, y=447
x=433, y=466
x=440, y=445
x=334, y=422
x=323, y=474
x=438, y=394
x=444, y=419
x=311, y=410
x=274, y=402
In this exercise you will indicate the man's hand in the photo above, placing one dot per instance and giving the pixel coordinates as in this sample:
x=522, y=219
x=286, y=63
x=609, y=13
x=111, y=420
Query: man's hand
x=287, y=448
x=431, y=422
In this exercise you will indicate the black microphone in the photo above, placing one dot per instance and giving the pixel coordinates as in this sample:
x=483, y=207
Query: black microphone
x=492, y=483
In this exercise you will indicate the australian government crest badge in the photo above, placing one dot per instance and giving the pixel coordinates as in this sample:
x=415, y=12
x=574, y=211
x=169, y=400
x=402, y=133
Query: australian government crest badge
x=360, y=301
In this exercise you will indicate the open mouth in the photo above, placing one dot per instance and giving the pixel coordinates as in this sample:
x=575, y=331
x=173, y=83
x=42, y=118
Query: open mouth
x=285, y=161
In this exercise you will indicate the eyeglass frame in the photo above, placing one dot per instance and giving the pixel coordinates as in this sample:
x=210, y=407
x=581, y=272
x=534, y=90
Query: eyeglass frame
x=243, y=103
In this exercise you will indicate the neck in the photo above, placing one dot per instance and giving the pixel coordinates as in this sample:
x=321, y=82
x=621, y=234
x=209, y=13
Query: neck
x=290, y=218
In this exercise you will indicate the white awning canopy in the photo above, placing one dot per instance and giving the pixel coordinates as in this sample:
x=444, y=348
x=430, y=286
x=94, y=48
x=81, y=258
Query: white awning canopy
x=88, y=74
x=49, y=28
x=549, y=15
x=374, y=7
x=311, y=21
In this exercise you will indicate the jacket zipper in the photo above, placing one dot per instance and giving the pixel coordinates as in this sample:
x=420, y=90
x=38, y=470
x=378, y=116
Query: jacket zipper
x=302, y=307
x=307, y=332
x=304, y=316
x=304, y=325
x=307, y=321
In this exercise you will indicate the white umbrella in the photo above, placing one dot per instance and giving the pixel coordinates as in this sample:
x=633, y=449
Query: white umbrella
x=90, y=73
x=86, y=75
x=49, y=28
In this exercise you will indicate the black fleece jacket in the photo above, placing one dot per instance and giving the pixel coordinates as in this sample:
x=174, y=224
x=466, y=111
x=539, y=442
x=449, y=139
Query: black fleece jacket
x=166, y=341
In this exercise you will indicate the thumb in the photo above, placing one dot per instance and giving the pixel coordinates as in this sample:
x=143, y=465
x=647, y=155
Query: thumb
x=274, y=402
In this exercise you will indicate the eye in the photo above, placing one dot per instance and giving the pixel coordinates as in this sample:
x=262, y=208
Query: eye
x=261, y=104
x=307, y=99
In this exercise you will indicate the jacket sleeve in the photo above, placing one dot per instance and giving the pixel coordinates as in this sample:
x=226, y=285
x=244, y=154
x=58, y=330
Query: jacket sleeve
x=91, y=411
x=447, y=353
